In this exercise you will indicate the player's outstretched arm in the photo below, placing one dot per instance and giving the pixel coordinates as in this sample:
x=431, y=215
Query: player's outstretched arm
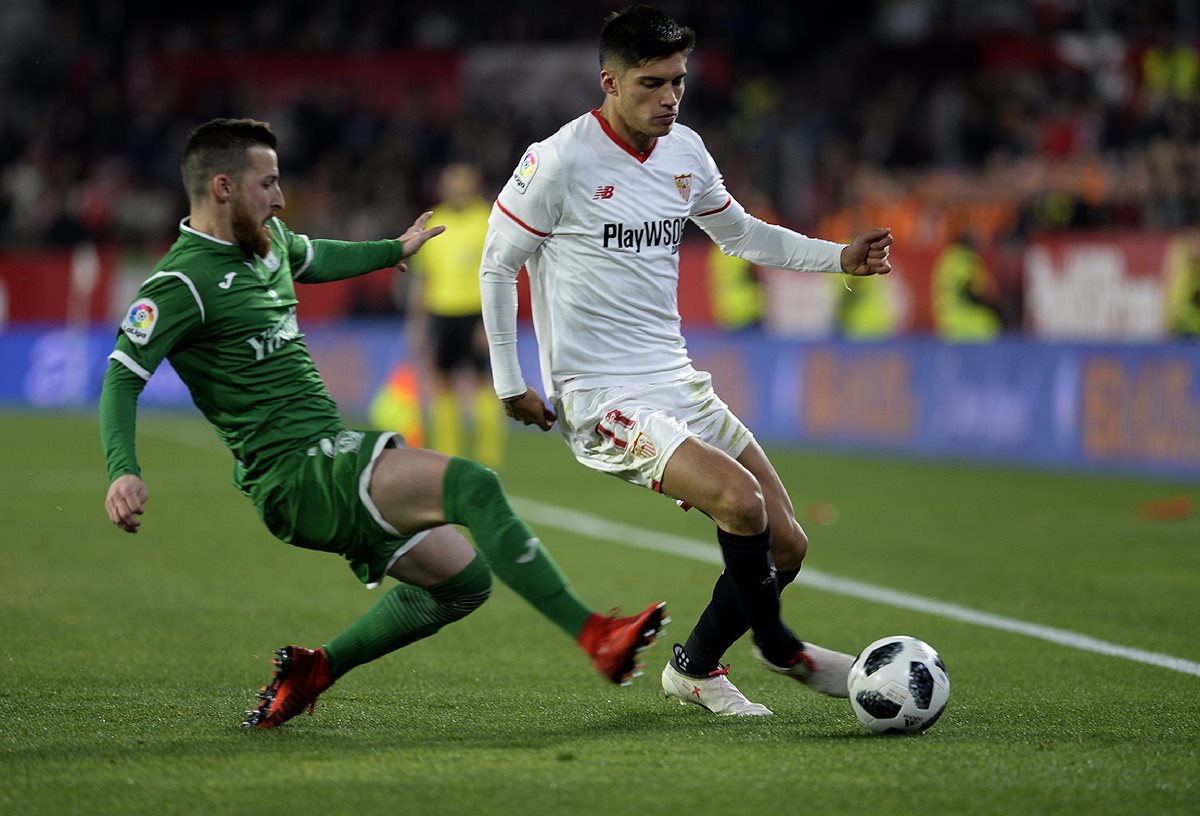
x=126, y=501
x=868, y=253
x=529, y=409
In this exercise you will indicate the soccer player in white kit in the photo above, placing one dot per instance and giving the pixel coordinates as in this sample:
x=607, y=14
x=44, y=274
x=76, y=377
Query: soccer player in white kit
x=596, y=213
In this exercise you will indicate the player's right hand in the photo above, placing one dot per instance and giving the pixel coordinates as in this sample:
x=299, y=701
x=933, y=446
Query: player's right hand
x=530, y=410
x=415, y=236
x=868, y=253
x=126, y=500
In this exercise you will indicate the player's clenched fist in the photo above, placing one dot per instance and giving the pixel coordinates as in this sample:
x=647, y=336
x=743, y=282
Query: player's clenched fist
x=868, y=253
x=529, y=409
x=126, y=501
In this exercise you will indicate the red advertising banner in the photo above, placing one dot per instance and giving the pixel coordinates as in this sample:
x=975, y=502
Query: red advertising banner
x=55, y=286
x=1079, y=286
x=89, y=285
x=1098, y=286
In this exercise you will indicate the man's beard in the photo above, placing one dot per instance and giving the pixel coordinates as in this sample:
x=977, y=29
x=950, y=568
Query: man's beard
x=249, y=234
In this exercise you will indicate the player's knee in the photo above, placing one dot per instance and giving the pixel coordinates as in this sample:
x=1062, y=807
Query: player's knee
x=479, y=481
x=464, y=593
x=789, y=545
x=468, y=602
x=741, y=509
x=470, y=488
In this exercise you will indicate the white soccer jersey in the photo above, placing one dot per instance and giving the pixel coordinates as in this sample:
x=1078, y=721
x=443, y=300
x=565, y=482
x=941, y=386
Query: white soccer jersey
x=598, y=225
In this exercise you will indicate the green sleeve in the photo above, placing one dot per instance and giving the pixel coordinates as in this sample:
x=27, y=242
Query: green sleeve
x=338, y=260
x=118, y=419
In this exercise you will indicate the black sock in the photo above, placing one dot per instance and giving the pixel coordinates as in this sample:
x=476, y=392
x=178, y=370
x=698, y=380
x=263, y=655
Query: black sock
x=752, y=577
x=785, y=577
x=720, y=625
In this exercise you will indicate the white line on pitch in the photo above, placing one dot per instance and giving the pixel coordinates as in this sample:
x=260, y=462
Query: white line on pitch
x=641, y=538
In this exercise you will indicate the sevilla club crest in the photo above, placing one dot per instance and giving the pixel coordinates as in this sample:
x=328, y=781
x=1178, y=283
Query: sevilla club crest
x=684, y=185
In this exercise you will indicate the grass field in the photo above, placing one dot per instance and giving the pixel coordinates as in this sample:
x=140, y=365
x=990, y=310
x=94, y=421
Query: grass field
x=126, y=661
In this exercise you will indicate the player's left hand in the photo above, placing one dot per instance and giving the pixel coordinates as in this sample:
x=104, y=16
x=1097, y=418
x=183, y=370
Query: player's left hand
x=416, y=235
x=528, y=409
x=126, y=501
x=868, y=253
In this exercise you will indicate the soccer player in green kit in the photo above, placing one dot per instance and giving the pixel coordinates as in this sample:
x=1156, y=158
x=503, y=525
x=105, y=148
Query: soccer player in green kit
x=221, y=306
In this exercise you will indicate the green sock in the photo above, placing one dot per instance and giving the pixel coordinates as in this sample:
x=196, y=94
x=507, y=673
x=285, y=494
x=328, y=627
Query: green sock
x=472, y=496
x=407, y=614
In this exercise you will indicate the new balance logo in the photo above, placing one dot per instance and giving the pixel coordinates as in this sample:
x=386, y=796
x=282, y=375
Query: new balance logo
x=603, y=192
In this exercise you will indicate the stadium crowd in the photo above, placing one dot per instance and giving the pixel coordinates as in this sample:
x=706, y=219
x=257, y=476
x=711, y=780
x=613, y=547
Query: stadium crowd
x=921, y=114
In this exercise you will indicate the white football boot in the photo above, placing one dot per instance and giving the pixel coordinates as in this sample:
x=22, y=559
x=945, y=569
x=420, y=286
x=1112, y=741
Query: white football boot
x=714, y=692
x=822, y=670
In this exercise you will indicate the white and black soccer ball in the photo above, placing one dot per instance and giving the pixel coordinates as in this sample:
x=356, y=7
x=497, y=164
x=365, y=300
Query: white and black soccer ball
x=898, y=685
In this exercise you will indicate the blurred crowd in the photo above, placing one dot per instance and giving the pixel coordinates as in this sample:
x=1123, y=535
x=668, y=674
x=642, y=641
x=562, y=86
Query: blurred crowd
x=930, y=116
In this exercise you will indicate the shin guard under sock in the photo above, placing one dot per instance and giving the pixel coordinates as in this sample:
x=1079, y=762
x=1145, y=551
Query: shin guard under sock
x=406, y=614
x=748, y=567
x=726, y=617
x=472, y=496
x=720, y=625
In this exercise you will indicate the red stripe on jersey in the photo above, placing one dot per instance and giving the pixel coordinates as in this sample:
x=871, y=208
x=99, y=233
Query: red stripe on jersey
x=621, y=143
x=504, y=210
x=723, y=207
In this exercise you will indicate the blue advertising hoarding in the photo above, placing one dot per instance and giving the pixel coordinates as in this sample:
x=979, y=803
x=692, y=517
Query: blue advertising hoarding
x=1131, y=408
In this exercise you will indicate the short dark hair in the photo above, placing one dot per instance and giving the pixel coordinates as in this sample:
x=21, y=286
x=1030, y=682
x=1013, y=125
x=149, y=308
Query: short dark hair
x=219, y=146
x=638, y=34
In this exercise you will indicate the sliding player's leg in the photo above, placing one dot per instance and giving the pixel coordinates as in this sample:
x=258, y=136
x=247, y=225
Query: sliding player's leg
x=414, y=487
x=443, y=580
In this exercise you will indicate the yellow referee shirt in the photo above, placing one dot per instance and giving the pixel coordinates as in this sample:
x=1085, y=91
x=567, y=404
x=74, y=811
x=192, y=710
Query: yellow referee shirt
x=450, y=262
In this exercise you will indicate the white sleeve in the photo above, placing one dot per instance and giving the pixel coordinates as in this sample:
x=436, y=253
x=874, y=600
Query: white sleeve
x=741, y=235
x=502, y=260
x=523, y=216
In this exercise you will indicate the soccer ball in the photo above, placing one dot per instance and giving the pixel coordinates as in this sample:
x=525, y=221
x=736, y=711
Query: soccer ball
x=898, y=685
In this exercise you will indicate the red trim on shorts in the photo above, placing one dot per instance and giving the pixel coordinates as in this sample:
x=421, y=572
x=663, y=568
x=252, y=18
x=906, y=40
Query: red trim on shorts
x=605, y=432
x=504, y=210
x=656, y=486
x=614, y=417
x=617, y=416
x=621, y=143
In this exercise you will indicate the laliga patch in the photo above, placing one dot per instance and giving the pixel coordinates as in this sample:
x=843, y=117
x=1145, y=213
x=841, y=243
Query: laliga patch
x=140, y=321
x=523, y=175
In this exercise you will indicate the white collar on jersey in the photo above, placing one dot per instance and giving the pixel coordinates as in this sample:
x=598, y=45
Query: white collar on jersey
x=184, y=226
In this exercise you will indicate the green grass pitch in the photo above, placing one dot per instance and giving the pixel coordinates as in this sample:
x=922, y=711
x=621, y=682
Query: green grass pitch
x=126, y=661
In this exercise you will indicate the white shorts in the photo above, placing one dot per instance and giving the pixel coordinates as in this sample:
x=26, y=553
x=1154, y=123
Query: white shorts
x=631, y=431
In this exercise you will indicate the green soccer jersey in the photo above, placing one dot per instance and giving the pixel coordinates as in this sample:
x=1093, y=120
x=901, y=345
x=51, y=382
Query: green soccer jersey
x=227, y=322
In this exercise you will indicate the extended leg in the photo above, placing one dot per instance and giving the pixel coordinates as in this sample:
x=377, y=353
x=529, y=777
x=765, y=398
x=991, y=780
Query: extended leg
x=447, y=581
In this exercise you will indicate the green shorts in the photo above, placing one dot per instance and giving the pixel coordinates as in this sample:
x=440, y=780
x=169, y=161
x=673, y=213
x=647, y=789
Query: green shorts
x=319, y=499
